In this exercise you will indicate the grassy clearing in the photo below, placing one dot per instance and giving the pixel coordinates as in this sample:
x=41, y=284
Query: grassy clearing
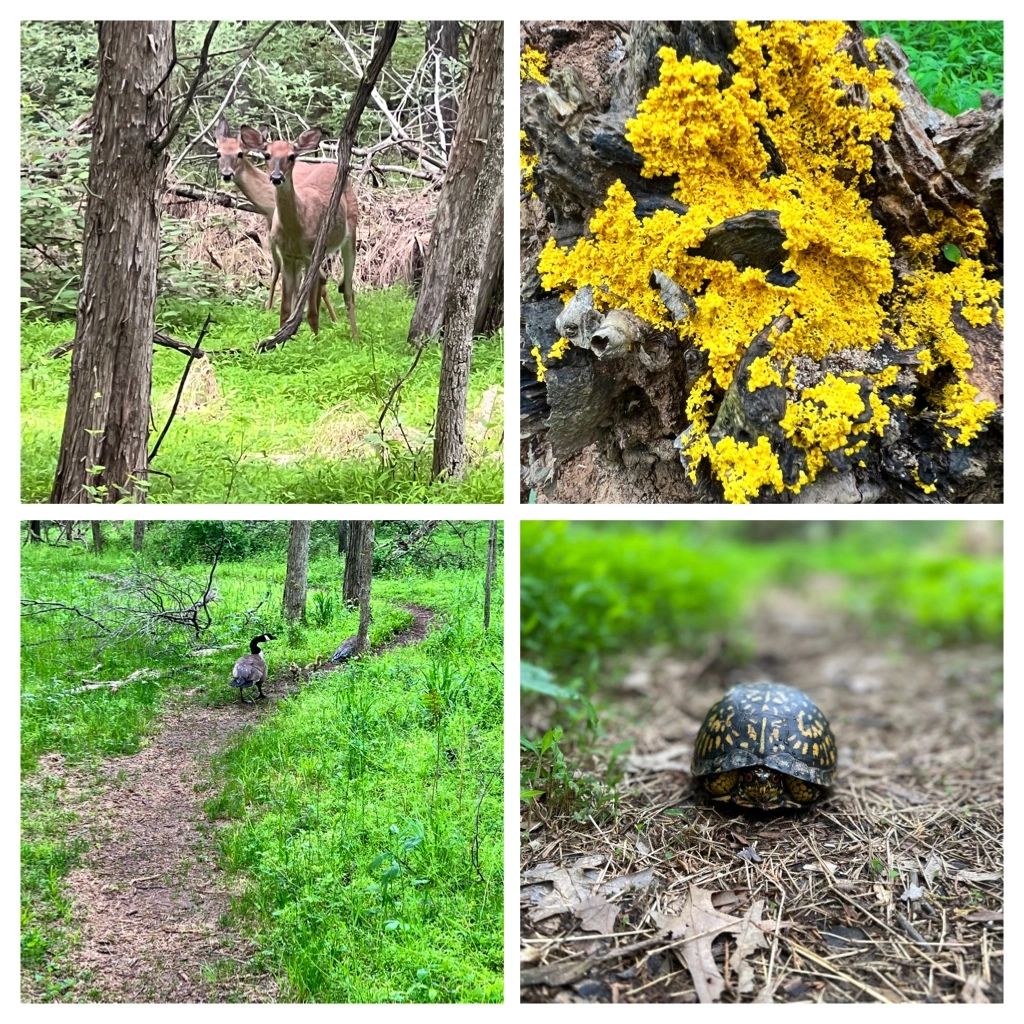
x=365, y=810
x=952, y=62
x=298, y=424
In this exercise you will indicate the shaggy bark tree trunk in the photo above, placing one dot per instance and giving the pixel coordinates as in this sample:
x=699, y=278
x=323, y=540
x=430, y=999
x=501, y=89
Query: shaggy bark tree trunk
x=297, y=573
x=363, y=577
x=138, y=535
x=97, y=536
x=357, y=531
x=468, y=270
x=103, y=448
x=603, y=429
x=492, y=558
x=480, y=109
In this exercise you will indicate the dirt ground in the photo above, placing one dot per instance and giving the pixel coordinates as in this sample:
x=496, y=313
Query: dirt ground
x=889, y=891
x=150, y=900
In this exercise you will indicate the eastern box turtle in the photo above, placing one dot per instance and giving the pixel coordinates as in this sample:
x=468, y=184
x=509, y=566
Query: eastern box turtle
x=766, y=746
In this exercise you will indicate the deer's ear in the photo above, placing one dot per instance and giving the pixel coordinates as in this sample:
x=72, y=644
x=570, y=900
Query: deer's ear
x=223, y=131
x=251, y=138
x=308, y=140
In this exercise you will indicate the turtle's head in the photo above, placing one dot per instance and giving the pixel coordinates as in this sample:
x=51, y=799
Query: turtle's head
x=762, y=788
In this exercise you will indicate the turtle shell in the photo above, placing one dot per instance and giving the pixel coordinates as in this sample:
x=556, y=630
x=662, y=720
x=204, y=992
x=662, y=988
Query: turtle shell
x=769, y=725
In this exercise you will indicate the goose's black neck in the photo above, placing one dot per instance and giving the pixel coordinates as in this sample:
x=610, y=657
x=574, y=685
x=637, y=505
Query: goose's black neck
x=254, y=645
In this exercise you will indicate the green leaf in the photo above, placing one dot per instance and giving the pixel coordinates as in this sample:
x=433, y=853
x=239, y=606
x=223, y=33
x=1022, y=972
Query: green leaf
x=535, y=679
x=951, y=252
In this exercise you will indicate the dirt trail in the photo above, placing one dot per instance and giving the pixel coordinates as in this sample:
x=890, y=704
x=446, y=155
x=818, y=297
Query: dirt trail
x=149, y=896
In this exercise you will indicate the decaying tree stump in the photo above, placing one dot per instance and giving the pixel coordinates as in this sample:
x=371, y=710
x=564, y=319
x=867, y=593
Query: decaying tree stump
x=607, y=420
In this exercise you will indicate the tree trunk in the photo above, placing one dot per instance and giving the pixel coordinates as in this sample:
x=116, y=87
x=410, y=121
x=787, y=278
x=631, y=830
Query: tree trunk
x=492, y=557
x=490, y=299
x=357, y=529
x=106, y=426
x=138, y=535
x=35, y=531
x=443, y=37
x=363, y=576
x=97, y=536
x=479, y=212
x=342, y=536
x=297, y=573
x=608, y=422
x=480, y=108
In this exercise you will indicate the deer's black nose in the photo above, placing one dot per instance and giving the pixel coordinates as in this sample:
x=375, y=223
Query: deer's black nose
x=226, y=176
x=276, y=177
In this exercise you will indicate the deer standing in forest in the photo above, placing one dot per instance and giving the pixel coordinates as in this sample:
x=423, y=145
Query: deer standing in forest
x=301, y=206
x=255, y=186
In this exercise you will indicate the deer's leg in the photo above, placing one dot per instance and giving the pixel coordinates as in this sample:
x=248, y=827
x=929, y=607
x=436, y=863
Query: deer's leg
x=287, y=290
x=348, y=260
x=326, y=296
x=274, y=275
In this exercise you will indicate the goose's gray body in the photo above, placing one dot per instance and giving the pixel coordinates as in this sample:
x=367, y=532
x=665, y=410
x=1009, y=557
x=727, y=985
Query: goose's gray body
x=251, y=669
x=344, y=652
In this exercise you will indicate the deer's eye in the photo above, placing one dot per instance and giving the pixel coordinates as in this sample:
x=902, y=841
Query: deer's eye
x=291, y=158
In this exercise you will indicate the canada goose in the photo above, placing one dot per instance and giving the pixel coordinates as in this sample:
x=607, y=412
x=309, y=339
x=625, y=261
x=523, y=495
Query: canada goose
x=251, y=669
x=344, y=652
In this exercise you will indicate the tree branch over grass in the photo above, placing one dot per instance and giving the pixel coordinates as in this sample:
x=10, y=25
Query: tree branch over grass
x=181, y=387
x=359, y=101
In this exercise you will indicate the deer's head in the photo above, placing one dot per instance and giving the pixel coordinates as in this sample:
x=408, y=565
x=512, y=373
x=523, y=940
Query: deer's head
x=229, y=151
x=280, y=155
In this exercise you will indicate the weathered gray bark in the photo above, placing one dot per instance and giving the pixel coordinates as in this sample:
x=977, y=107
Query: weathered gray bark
x=297, y=573
x=480, y=107
x=97, y=536
x=138, y=535
x=357, y=532
x=479, y=211
x=103, y=448
x=492, y=558
x=342, y=536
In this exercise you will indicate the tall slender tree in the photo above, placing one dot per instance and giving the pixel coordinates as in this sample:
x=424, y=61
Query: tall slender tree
x=297, y=573
x=492, y=559
x=106, y=427
x=480, y=112
x=138, y=534
x=363, y=562
x=357, y=530
x=479, y=210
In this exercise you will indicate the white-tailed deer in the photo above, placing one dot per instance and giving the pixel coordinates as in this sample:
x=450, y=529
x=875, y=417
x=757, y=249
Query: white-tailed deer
x=256, y=187
x=301, y=205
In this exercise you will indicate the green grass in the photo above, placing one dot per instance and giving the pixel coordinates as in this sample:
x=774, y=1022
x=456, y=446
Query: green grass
x=296, y=425
x=387, y=773
x=952, y=62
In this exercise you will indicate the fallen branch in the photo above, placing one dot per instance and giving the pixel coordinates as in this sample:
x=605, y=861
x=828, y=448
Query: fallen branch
x=142, y=675
x=159, y=338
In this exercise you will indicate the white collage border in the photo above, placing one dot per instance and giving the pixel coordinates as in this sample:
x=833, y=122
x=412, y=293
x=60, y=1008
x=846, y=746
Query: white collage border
x=511, y=512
